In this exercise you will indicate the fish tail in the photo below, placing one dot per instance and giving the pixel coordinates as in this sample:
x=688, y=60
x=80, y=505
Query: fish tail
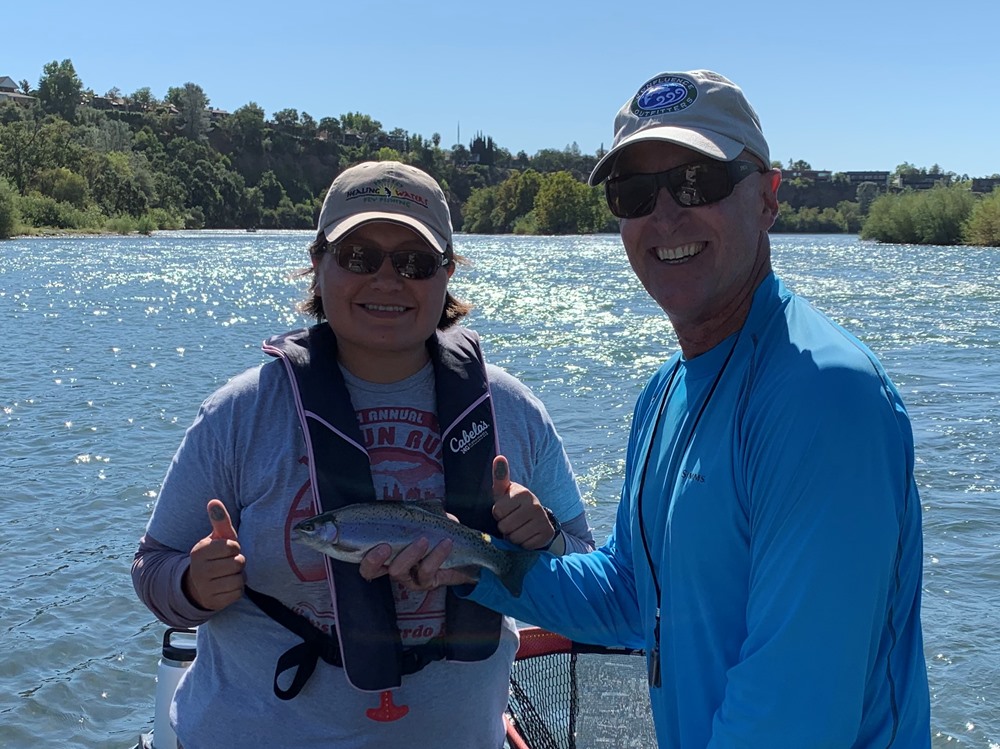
x=517, y=564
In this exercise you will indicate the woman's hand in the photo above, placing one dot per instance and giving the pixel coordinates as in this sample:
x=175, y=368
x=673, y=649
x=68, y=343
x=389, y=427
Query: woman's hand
x=215, y=578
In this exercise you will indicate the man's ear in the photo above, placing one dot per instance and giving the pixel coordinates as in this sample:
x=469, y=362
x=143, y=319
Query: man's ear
x=771, y=181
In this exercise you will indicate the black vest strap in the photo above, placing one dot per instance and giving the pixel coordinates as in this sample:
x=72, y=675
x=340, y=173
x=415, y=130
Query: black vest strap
x=316, y=645
x=369, y=646
x=304, y=656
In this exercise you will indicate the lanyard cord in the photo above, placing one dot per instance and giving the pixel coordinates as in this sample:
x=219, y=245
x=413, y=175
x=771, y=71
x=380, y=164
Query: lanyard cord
x=654, y=664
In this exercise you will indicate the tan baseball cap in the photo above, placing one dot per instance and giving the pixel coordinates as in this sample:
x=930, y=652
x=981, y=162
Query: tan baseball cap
x=386, y=191
x=698, y=109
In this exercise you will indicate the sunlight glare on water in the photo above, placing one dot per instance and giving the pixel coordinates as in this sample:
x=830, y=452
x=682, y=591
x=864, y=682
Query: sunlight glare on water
x=114, y=341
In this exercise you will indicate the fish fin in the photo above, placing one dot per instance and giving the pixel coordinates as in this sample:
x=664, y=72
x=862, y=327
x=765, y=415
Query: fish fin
x=516, y=567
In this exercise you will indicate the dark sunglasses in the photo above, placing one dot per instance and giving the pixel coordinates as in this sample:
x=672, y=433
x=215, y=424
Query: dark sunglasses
x=694, y=184
x=415, y=265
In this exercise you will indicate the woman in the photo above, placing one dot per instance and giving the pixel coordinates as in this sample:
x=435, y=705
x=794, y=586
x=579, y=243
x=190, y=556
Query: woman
x=386, y=398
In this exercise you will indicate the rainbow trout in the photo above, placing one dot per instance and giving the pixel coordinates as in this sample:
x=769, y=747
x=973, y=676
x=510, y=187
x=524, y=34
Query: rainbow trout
x=349, y=532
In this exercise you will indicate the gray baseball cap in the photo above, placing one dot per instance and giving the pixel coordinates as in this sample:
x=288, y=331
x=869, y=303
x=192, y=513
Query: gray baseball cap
x=698, y=109
x=386, y=191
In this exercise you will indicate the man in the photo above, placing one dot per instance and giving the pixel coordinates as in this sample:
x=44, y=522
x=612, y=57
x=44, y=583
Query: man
x=767, y=548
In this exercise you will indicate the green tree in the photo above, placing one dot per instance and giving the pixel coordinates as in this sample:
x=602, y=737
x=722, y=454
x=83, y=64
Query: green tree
x=271, y=190
x=604, y=221
x=308, y=125
x=907, y=168
x=849, y=216
x=934, y=216
x=107, y=135
x=865, y=194
x=329, y=128
x=362, y=124
x=11, y=112
x=170, y=193
x=59, y=89
x=114, y=185
x=20, y=152
x=253, y=207
x=287, y=120
x=63, y=185
x=142, y=99
x=478, y=211
x=983, y=226
x=192, y=110
x=28, y=147
x=563, y=205
x=551, y=160
x=515, y=198
x=246, y=128
x=8, y=209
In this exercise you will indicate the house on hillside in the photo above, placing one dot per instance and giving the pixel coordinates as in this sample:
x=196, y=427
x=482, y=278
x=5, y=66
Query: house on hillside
x=985, y=184
x=108, y=103
x=879, y=178
x=9, y=92
x=919, y=181
x=816, y=175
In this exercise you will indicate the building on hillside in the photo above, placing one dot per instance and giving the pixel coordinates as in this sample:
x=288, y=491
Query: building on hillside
x=921, y=181
x=985, y=184
x=108, y=103
x=9, y=92
x=815, y=175
x=879, y=178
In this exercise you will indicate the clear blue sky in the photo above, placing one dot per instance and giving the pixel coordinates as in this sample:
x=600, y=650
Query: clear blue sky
x=847, y=85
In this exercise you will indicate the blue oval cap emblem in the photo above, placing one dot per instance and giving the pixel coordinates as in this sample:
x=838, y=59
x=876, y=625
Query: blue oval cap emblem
x=661, y=95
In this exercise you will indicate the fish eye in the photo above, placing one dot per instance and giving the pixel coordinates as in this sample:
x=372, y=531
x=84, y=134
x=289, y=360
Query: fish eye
x=307, y=526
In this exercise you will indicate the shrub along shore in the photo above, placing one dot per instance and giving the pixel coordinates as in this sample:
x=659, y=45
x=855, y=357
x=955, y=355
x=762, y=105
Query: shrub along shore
x=75, y=162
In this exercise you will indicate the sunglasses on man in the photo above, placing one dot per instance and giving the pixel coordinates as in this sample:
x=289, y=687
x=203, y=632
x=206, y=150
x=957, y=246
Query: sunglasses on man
x=690, y=185
x=415, y=265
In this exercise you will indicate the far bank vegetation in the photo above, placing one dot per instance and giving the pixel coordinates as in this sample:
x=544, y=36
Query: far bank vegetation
x=73, y=161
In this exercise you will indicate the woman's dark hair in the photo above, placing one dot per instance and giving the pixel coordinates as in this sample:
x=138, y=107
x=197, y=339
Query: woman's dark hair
x=454, y=309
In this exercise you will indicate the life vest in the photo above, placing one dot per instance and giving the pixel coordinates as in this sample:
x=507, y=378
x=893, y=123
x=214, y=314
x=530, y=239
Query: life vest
x=367, y=642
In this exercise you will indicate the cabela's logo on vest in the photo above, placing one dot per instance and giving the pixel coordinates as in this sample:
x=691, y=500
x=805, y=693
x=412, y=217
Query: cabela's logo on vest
x=387, y=189
x=476, y=431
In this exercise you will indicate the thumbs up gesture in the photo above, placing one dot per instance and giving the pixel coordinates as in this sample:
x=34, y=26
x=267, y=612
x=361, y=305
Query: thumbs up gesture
x=520, y=516
x=215, y=578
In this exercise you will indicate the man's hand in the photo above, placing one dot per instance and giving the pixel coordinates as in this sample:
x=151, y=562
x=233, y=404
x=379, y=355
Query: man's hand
x=215, y=578
x=417, y=567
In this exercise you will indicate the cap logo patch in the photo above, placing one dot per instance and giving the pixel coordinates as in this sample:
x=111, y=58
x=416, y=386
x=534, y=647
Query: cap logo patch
x=389, y=190
x=664, y=95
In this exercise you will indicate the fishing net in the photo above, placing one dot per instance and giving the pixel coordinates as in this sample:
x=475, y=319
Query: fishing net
x=566, y=695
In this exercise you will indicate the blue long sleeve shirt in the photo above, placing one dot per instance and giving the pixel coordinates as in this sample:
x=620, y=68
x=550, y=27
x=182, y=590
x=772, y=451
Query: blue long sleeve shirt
x=769, y=512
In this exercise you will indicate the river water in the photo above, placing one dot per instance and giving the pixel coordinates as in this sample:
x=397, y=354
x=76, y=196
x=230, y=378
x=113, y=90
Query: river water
x=113, y=342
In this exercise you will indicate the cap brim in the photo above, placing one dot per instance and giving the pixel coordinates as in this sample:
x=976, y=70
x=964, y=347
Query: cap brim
x=710, y=144
x=340, y=229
